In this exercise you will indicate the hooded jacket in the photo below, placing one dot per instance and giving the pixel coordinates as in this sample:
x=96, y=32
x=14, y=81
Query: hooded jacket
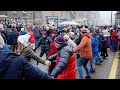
x=95, y=43
x=65, y=63
x=85, y=46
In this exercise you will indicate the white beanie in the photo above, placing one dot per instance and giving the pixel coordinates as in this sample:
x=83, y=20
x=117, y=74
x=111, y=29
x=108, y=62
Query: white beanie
x=24, y=39
x=2, y=43
x=71, y=33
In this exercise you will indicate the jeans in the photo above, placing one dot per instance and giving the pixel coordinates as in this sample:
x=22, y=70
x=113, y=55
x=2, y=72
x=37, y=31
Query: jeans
x=83, y=61
x=36, y=41
x=115, y=45
x=92, y=61
x=98, y=57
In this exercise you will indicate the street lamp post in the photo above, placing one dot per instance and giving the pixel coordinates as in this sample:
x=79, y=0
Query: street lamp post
x=34, y=17
x=84, y=22
x=111, y=17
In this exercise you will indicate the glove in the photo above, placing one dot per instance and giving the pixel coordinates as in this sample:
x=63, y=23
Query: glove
x=34, y=50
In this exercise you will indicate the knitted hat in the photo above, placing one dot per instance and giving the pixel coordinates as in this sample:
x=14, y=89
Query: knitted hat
x=2, y=43
x=24, y=39
x=60, y=39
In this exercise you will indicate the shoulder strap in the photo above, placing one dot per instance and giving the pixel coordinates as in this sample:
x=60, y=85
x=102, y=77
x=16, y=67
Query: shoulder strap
x=5, y=62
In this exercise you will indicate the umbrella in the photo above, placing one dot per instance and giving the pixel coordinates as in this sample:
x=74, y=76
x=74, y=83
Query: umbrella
x=68, y=23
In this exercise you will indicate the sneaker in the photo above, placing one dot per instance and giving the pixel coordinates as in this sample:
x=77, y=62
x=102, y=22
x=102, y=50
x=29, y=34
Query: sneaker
x=97, y=63
x=88, y=77
x=106, y=55
x=92, y=70
x=104, y=58
x=101, y=61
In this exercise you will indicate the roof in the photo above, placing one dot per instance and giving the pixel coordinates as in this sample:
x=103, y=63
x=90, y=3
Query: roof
x=3, y=16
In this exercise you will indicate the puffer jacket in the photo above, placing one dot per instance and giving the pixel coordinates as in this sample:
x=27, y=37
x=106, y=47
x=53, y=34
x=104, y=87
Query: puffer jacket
x=65, y=63
x=17, y=67
x=45, y=44
x=85, y=47
x=28, y=53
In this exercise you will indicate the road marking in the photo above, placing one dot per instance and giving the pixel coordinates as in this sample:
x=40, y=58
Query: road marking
x=114, y=67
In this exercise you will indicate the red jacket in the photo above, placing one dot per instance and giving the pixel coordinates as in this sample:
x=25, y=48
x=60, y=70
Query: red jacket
x=53, y=49
x=32, y=38
x=114, y=35
x=70, y=71
x=119, y=40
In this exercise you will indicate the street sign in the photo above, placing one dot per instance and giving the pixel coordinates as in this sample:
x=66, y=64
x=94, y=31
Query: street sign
x=51, y=17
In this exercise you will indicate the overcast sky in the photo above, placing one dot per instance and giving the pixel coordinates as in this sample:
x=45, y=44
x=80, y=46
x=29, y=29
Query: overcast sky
x=106, y=17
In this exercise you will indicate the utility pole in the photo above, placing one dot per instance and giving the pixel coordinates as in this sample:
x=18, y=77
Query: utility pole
x=33, y=17
x=111, y=17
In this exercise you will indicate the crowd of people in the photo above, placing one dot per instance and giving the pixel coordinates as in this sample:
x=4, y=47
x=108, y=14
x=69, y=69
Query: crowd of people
x=67, y=49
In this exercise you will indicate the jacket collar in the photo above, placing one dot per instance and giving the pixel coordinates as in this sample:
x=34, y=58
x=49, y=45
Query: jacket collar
x=63, y=45
x=86, y=34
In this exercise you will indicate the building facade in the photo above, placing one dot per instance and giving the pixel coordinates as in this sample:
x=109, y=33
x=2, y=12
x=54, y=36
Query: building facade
x=87, y=17
x=117, y=18
x=38, y=16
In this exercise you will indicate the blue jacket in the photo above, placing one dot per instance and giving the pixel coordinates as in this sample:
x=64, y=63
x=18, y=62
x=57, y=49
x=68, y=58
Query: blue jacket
x=23, y=32
x=95, y=43
x=14, y=66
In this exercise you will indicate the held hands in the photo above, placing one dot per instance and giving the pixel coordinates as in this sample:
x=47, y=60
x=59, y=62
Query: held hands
x=47, y=62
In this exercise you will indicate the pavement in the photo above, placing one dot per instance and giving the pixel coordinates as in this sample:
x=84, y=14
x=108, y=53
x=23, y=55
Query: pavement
x=107, y=70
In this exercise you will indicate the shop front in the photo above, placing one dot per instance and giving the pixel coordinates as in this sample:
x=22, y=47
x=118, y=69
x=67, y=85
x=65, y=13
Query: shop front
x=53, y=20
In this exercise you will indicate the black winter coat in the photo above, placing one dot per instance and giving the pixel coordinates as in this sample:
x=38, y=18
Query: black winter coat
x=12, y=38
x=14, y=66
x=45, y=44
